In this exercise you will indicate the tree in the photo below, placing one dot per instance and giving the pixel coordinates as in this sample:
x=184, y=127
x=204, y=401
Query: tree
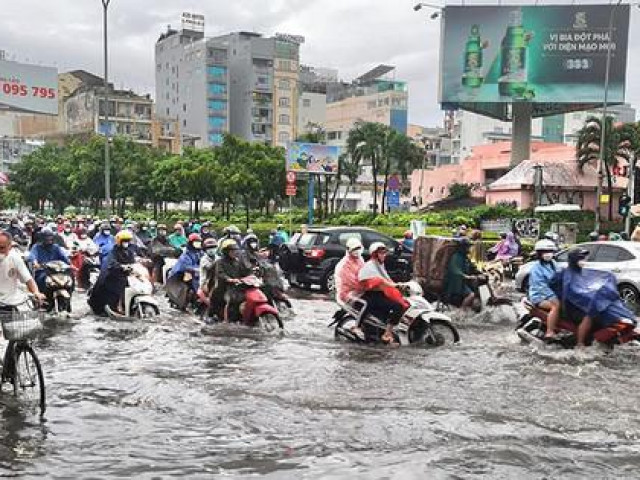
x=621, y=141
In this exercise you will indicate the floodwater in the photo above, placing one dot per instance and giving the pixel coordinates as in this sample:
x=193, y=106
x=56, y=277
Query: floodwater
x=161, y=399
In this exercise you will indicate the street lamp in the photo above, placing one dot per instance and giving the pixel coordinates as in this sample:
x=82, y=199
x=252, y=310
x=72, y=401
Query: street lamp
x=107, y=160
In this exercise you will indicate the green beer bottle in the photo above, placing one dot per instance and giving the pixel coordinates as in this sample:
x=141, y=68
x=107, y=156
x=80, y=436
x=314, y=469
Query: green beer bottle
x=472, y=76
x=513, y=64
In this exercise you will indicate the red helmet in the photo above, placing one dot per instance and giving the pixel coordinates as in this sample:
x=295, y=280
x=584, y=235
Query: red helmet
x=194, y=237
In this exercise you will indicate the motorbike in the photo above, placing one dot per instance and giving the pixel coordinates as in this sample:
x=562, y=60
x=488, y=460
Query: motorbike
x=533, y=325
x=88, y=268
x=138, y=295
x=420, y=324
x=59, y=286
x=255, y=309
x=484, y=296
x=274, y=288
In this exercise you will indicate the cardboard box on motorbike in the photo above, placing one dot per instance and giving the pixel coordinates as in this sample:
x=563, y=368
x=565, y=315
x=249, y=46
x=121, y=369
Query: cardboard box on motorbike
x=431, y=256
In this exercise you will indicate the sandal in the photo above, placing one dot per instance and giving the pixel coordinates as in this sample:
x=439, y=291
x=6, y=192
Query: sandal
x=389, y=339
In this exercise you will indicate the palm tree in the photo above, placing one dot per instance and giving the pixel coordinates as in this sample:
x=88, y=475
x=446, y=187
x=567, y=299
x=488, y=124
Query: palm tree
x=620, y=143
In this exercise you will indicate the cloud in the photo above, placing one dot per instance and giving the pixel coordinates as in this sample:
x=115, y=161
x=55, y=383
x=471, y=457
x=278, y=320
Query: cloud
x=350, y=35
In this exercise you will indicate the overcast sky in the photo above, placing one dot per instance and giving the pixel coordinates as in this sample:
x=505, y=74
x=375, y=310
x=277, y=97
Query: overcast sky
x=350, y=35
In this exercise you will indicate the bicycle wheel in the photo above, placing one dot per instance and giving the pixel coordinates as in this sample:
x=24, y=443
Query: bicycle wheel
x=28, y=379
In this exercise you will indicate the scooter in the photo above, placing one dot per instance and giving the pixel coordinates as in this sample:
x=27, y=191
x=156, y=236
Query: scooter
x=138, y=295
x=483, y=292
x=59, y=286
x=255, y=309
x=533, y=325
x=420, y=324
x=274, y=288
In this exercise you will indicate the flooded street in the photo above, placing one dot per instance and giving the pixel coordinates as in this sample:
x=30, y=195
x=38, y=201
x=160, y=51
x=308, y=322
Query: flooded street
x=161, y=399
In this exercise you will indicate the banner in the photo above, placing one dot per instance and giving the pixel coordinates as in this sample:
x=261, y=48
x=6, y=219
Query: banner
x=28, y=88
x=541, y=54
x=312, y=158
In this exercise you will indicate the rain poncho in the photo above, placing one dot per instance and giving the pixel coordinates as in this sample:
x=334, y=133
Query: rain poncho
x=593, y=293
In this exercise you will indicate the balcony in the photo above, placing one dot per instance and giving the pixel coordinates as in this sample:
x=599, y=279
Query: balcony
x=217, y=96
x=263, y=120
x=218, y=112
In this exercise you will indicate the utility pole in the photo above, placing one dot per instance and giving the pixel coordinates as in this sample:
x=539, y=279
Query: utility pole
x=631, y=191
x=107, y=160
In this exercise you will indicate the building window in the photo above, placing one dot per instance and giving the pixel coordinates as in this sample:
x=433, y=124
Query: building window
x=283, y=119
x=167, y=111
x=217, y=105
x=306, y=103
x=284, y=85
x=184, y=107
x=184, y=123
x=284, y=137
x=216, y=122
x=216, y=139
x=285, y=65
x=262, y=80
x=284, y=102
x=216, y=72
x=217, y=89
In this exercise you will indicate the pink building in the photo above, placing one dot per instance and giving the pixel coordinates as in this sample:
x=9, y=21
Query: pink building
x=488, y=169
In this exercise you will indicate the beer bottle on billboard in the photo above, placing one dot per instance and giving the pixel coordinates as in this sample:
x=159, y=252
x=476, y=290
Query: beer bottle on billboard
x=513, y=62
x=472, y=76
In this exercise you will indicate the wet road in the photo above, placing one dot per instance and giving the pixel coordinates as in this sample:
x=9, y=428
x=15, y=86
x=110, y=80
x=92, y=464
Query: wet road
x=162, y=399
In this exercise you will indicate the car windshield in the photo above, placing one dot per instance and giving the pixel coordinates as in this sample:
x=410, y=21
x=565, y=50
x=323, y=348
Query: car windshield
x=307, y=239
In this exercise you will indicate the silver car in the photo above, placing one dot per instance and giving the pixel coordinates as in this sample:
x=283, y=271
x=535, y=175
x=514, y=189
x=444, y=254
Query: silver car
x=620, y=258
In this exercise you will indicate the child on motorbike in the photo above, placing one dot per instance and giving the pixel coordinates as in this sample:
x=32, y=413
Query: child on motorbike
x=541, y=277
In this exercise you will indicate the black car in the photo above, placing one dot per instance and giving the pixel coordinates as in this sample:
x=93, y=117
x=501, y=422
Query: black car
x=310, y=258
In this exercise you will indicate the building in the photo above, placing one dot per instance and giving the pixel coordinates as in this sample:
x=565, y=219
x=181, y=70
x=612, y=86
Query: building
x=375, y=96
x=241, y=83
x=12, y=149
x=436, y=142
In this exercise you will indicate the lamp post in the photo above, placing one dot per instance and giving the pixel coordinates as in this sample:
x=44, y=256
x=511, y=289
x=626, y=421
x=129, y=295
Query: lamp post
x=107, y=160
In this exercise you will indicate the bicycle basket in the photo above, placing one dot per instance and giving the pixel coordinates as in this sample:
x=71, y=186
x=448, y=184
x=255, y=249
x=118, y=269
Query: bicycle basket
x=21, y=325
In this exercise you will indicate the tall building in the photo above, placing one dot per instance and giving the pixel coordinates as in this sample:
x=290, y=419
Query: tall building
x=241, y=83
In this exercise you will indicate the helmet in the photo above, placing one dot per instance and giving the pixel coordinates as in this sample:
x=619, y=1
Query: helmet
x=353, y=244
x=577, y=254
x=233, y=230
x=228, y=244
x=408, y=234
x=593, y=236
x=554, y=237
x=153, y=223
x=194, y=237
x=162, y=226
x=46, y=232
x=178, y=226
x=209, y=243
x=123, y=236
x=375, y=246
x=463, y=243
x=545, y=245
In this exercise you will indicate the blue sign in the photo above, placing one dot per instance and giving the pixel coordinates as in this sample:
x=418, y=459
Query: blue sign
x=393, y=200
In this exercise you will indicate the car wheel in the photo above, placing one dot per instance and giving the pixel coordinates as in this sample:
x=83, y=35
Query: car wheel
x=329, y=282
x=630, y=296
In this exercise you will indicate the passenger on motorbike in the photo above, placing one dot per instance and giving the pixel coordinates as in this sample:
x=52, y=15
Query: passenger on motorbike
x=188, y=266
x=160, y=249
x=207, y=268
x=82, y=247
x=506, y=248
x=177, y=239
x=251, y=254
x=110, y=286
x=460, y=273
x=43, y=252
x=590, y=296
x=228, y=272
x=347, y=271
x=206, y=232
x=380, y=292
x=541, y=278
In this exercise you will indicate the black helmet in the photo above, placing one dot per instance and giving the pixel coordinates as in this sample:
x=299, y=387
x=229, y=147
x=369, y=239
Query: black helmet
x=575, y=255
x=463, y=244
x=593, y=236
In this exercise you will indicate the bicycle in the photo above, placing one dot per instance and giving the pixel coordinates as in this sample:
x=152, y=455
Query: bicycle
x=20, y=365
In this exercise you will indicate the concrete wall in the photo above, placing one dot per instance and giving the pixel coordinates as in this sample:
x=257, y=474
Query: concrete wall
x=312, y=110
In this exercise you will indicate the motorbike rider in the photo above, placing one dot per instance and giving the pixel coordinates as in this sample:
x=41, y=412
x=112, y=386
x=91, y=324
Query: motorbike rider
x=159, y=249
x=43, y=252
x=589, y=297
x=105, y=241
x=251, y=255
x=16, y=232
x=347, y=271
x=460, y=272
x=228, y=272
x=83, y=246
x=13, y=272
x=68, y=236
x=206, y=232
x=207, y=268
x=506, y=248
x=177, y=239
x=110, y=286
x=189, y=262
x=541, y=293
x=380, y=292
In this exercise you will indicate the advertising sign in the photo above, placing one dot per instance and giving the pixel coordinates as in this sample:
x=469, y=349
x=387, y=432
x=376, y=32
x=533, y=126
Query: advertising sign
x=28, y=88
x=312, y=158
x=539, y=54
x=193, y=22
x=393, y=199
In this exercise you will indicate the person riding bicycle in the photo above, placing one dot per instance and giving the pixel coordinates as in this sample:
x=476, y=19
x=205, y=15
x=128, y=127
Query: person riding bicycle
x=13, y=273
x=228, y=272
x=110, y=286
x=380, y=292
x=541, y=293
x=43, y=252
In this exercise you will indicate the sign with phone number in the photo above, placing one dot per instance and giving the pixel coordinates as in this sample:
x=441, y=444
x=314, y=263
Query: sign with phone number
x=28, y=88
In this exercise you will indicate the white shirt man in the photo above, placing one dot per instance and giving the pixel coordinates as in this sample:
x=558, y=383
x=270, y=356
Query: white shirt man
x=13, y=273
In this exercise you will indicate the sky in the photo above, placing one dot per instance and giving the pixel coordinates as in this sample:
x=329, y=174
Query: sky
x=352, y=36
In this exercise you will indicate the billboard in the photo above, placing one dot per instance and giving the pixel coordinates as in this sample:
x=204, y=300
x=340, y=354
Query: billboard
x=28, y=88
x=546, y=54
x=312, y=158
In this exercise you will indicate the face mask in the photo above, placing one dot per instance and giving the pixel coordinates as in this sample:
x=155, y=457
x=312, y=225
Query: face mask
x=252, y=245
x=162, y=233
x=582, y=263
x=106, y=232
x=547, y=257
x=211, y=252
x=125, y=244
x=67, y=230
x=356, y=253
x=197, y=245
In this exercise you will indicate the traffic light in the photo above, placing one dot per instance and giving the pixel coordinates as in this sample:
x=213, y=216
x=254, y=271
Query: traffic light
x=624, y=205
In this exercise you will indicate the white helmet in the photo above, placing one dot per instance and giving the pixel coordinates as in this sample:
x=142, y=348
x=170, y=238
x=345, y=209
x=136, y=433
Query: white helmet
x=353, y=243
x=545, y=246
x=375, y=246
